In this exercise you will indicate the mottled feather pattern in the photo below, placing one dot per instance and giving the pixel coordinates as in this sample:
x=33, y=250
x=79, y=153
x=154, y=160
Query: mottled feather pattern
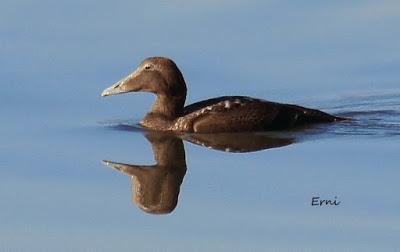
x=225, y=114
x=241, y=113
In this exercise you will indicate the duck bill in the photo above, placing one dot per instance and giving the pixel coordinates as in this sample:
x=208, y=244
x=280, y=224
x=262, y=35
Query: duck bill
x=116, y=88
x=127, y=84
x=125, y=168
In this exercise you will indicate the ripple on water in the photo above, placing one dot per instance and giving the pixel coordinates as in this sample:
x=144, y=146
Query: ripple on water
x=373, y=114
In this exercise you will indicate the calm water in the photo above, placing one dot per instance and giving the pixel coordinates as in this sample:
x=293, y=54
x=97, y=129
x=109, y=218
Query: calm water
x=251, y=194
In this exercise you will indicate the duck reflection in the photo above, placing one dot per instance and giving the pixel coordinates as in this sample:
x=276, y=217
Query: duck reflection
x=155, y=188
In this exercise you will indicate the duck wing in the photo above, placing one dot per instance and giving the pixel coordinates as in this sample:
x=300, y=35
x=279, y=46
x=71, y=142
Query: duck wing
x=229, y=114
x=241, y=113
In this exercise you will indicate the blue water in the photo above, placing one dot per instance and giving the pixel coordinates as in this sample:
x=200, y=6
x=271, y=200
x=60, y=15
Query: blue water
x=342, y=57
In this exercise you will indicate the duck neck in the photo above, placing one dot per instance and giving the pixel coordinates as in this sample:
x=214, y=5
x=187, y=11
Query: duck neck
x=169, y=107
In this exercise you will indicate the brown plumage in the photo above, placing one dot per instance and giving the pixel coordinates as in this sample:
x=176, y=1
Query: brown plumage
x=162, y=77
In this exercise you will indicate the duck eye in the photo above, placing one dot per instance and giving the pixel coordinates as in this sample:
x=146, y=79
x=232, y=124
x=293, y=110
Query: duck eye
x=147, y=67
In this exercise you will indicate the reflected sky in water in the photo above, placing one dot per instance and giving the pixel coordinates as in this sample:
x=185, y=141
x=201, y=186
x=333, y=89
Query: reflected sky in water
x=56, y=58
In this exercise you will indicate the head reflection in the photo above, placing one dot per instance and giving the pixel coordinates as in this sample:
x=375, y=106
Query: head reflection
x=155, y=188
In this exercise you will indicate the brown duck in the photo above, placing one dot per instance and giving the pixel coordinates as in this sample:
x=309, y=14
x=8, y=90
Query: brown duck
x=161, y=76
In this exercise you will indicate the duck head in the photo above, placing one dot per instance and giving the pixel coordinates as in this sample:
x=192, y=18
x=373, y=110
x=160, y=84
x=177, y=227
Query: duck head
x=157, y=75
